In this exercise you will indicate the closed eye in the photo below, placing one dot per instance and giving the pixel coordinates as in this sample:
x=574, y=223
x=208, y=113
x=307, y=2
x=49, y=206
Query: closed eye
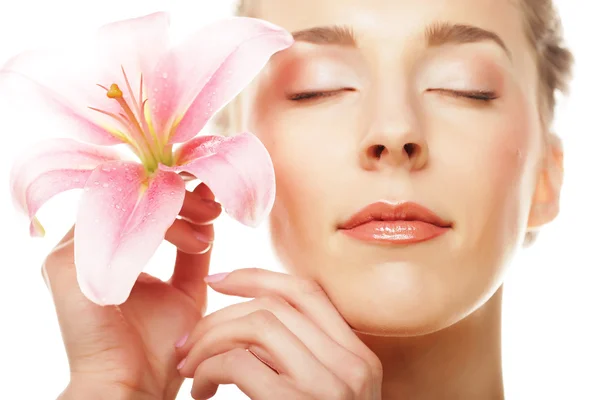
x=311, y=95
x=479, y=95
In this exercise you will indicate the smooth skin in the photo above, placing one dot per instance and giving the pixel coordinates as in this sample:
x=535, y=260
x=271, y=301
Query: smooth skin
x=127, y=352
x=352, y=320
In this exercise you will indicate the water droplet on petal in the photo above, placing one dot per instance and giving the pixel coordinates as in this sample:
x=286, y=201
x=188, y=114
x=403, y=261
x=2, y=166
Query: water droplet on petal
x=106, y=169
x=105, y=185
x=119, y=189
x=165, y=75
x=153, y=220
x=96, y=183
x=172, y=193
x=76, y=180
x=117, y=206
x=155, y=90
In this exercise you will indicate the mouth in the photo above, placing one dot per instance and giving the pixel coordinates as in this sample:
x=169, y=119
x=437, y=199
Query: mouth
x=386, y=223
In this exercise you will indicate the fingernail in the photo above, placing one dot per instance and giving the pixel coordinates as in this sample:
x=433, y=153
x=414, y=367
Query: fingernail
x=204, y=238
x=181, y=363
x=182, y=341
x=215, y=277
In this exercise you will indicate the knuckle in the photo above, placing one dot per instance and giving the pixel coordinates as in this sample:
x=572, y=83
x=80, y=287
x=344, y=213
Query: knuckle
x=234, y=358
x=263, y=321
x=310, y=287
x=51, y=259
x=58, y=257
x=360, y=371
x=360, y=375
x=376, y=368
x=340, y=391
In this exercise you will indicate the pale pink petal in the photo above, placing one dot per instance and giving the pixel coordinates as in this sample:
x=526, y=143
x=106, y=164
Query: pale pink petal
x=200, y=76
x=237, y=169
x=136, y=44
x=66, y=79
x=122, y=219
x=52, y=167
x=37, y=84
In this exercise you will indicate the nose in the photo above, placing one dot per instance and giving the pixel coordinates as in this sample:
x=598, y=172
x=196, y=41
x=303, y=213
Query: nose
x=394, y=138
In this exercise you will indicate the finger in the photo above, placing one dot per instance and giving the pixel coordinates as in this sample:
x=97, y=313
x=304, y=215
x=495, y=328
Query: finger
x=241, y=368
x=262, y=330
x=76, y=313
x=304, y=295
x=204, y=191
x=343, y=363
x=188, y=238
x=199, y=209
x=67, y=239
x=190, y=269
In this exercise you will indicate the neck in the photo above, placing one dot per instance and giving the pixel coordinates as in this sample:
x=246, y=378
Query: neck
x=462, y=361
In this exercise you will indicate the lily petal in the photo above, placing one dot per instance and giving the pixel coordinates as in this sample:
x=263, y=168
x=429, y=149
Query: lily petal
x=208, y=70
x=238, y=170
x=136, y=44
x=67, y=79
x=52, y=167
x=38, y=79
x=122, y=219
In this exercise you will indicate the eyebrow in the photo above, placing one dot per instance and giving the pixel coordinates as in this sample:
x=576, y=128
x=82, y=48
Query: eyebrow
x=446, y=33
x=329, y=35
x=436, y=34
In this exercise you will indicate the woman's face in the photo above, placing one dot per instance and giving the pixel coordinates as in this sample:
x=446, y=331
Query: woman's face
x=435, y=103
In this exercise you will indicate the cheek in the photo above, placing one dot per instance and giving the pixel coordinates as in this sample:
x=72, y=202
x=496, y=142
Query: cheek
x=307, y=159
x=494, y=171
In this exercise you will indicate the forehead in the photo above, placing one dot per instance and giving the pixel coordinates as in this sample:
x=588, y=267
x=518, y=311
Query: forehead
x=394, y=20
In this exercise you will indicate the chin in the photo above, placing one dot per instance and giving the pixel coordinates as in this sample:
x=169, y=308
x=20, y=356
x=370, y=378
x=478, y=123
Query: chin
x=404, y=300
x=395, y=321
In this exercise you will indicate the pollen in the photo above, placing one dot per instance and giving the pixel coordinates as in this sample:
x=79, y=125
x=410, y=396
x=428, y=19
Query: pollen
x=114, y=92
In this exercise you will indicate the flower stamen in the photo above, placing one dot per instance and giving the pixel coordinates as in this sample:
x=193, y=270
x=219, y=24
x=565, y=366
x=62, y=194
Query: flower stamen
x=144, y=139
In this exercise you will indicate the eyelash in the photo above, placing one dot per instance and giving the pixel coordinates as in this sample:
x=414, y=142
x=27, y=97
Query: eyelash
x=311, y=95
x=478, y=95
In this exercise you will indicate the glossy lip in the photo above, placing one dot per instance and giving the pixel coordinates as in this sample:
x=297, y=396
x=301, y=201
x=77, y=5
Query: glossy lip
x=400, y=223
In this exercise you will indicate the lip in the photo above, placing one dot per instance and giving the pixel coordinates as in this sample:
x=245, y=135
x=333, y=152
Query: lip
x=402, y=223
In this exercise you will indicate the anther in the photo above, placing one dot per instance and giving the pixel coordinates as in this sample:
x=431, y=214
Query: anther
x=114, y=92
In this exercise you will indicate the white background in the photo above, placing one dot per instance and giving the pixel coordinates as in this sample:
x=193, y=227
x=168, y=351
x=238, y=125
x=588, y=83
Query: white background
x=551, y=328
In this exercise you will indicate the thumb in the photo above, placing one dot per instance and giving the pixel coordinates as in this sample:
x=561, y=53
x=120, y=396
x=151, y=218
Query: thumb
x=78, y=317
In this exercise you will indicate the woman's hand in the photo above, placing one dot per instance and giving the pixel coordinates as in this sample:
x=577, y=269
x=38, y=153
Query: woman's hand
x=126, y=352
x=288, y=343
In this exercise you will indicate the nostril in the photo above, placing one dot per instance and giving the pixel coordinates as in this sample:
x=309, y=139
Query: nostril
x=410, y=149
x=377, y=150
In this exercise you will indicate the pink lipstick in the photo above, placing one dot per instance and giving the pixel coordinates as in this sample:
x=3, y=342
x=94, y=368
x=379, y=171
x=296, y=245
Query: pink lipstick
x=403, y=223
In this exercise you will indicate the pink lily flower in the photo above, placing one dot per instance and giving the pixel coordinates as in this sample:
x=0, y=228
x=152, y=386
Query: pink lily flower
x=135, y=88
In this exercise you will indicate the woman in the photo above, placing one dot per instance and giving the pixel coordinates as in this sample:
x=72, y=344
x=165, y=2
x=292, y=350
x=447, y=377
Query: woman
x=432, y=116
